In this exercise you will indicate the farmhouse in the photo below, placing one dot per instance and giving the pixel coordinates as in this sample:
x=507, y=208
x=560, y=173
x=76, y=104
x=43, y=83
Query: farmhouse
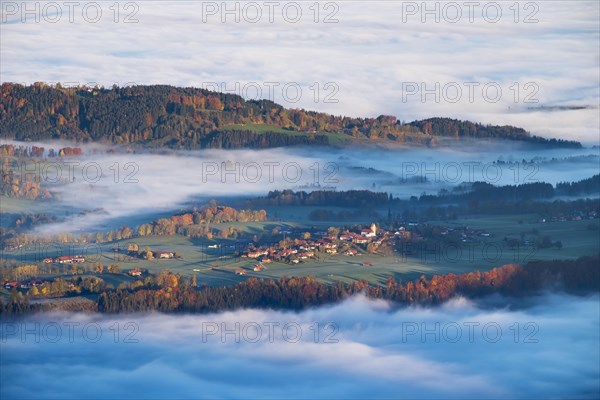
x=69, y=259
x=10, y=285
x=164, y=254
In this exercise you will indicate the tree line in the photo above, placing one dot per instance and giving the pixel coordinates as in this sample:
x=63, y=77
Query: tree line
x=194, y=223
x=346, y=198
x=192, y=118
x=466, y=192
x=168, y=292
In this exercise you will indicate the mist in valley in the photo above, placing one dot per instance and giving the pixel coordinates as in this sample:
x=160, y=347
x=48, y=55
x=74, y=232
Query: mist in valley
x=107, y=189
x=533, y=348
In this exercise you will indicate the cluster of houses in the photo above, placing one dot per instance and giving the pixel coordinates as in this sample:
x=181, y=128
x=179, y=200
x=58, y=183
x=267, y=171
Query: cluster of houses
x=64, y=260
x=160, y=254
x=257, y=268
x=373, y=235
x=301, y=249
x=575, y=216
x=22, y=285
x=465, y=234
x=133, y=251
x=351, y=243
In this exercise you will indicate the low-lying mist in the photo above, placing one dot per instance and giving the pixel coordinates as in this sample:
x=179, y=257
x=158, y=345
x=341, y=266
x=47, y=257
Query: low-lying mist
x=121, y=185
x=546, y=347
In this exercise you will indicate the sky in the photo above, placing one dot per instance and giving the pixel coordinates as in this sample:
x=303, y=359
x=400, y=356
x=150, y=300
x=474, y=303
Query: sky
x=547, y=348
x=518, y=63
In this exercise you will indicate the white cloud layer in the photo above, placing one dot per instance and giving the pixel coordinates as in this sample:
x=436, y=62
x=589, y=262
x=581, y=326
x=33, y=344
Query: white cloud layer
x=133, y=185
x=370, y=54
x=545, y=349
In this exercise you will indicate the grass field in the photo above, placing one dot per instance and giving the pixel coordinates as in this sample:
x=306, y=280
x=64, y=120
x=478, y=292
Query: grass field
x=10, y=205
x=334, y=138
x=576, y=237
x=216, y=266
x=482, y=255
x=260, y=128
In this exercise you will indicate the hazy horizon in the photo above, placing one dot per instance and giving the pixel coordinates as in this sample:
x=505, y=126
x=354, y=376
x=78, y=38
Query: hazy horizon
x=351, y=62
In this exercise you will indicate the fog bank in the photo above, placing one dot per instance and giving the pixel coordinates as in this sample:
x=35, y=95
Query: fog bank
x=459, y=350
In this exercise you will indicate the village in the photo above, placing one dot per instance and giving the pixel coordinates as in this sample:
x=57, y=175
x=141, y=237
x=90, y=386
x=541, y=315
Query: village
x=351, y=243
x=312, y=245
x=297, y=247
x=413, y=239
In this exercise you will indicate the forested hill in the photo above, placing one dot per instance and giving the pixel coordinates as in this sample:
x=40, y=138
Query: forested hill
x=189, y=118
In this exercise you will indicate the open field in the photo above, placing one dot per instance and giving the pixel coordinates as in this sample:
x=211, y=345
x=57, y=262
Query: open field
x=331, y=269
x=11, y=205
x=577, y=237
x=260, y=128
x=334, y=138
x=217, y=266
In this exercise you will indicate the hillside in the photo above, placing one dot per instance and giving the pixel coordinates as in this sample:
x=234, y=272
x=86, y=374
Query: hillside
x=190, y=118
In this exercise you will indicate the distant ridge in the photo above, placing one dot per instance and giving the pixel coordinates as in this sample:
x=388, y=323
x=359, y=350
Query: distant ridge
x=191, y=118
